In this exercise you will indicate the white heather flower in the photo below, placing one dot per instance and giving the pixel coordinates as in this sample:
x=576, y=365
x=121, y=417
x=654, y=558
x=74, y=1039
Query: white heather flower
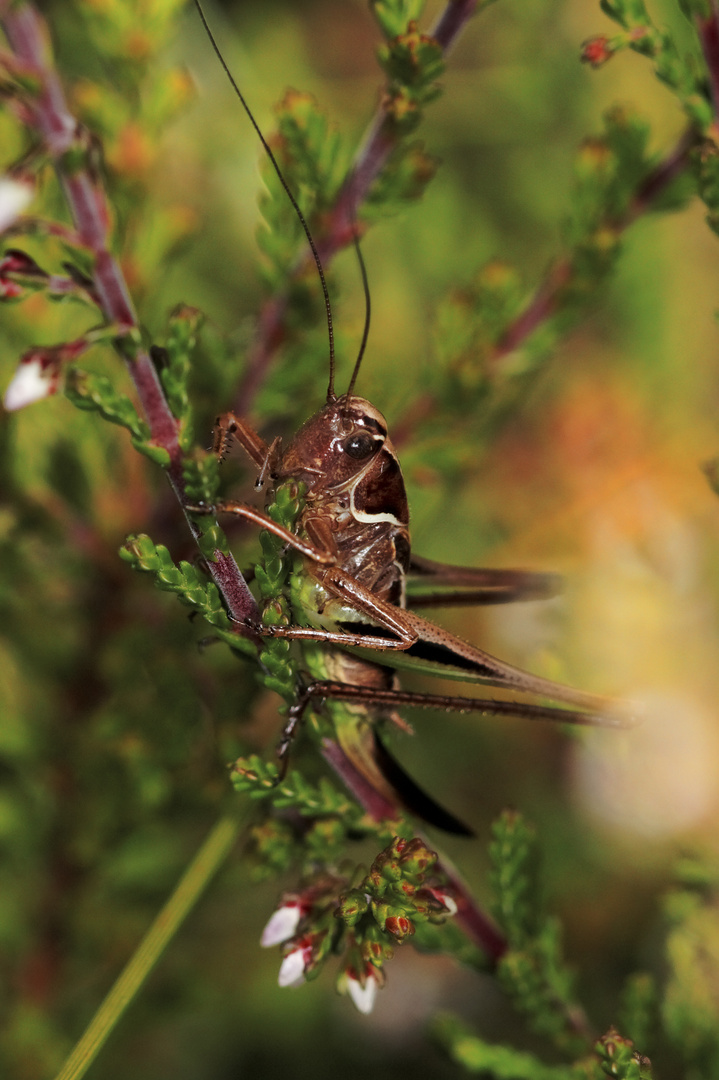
x=15, y=195
x=363, y=997
x=446, y=899
x=282, y=925
x=292, y=968
x=32, y=381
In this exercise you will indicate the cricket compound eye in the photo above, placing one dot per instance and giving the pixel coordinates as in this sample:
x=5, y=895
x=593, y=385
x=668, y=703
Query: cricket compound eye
x=361, y=446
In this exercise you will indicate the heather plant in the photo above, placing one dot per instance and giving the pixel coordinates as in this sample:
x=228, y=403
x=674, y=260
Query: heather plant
x=522, y=401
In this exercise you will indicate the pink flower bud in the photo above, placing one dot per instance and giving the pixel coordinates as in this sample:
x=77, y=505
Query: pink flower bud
x=597, y=51
x=15, y=261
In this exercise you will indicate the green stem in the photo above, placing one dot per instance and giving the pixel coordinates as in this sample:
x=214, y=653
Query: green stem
x=208, y=860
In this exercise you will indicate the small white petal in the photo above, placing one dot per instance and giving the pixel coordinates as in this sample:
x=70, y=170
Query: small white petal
x=14, y=197
x=31, y=382
x=292, y=969
x=448, y=901
x=281, y=926
x=363, y=997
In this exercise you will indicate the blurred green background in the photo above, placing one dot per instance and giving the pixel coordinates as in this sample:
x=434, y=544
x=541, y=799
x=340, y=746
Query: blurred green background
x=116, y=730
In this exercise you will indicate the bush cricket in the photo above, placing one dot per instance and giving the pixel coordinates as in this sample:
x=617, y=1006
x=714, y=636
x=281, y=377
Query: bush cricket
x=351, y=578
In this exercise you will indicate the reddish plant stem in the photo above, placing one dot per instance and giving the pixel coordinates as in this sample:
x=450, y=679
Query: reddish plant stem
x=379, y=142
x=547, y=299
x=476, y=924
x=667, y=170
x=382, y=138
x=452, y=21
x=377, y=806
x=268, y=336
x=708, y=32
x=478, y=927
x=541, y=307
x=48, y=114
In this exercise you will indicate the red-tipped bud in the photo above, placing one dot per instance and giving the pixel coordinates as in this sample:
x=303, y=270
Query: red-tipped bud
x=597, y=51
x=16, y=264
x=399, y=926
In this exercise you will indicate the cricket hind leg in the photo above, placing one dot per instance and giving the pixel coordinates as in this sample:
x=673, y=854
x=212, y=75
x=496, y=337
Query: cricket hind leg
x=392, y=698
x=250, y=513
x=371, y=758
x=586, y=709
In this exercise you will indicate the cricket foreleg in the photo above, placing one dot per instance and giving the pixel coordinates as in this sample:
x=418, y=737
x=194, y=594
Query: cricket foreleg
x=249, y=513
x=229, y=428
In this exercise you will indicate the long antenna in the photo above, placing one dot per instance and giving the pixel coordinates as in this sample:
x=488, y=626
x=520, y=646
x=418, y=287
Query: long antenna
x=290, y=196
x=367, y=310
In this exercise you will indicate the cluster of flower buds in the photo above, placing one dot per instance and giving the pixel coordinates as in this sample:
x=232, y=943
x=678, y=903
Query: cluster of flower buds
x=363, y=922
x=304, y=925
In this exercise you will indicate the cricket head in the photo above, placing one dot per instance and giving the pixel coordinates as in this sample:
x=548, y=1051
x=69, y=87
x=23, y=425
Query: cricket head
x=344, y=450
